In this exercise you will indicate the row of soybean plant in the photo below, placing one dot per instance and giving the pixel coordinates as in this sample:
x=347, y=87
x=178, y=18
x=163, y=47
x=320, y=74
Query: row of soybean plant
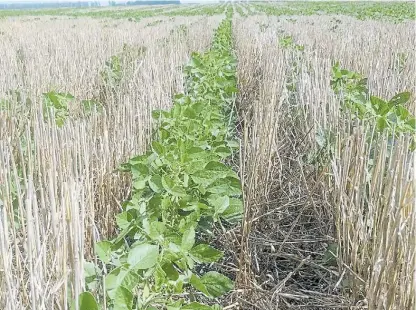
x=180, y=190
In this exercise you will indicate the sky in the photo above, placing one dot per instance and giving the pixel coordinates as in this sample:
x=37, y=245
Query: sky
x=45, y=1
x=55, y=1
x=101, y=1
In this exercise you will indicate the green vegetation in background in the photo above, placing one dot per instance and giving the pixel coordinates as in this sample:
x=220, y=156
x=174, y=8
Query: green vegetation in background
x=86, y=12
x=396, y=11
x=199, y=10
x=240, y=11
x=181, y=188
x=249, y=8
x=133, y=14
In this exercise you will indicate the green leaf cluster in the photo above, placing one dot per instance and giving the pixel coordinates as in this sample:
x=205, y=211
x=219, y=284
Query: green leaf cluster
x=389, y=116
x=295, y=54
x=117, y=66
x=56, y=106
x=394, y=11
x=287, y=42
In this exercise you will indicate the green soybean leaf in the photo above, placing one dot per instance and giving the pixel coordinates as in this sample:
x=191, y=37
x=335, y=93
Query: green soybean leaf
x=226, y=186
x=223, y=151
x=139, y=184
x=195, y=153
x=169, y=185
x=188, y=239
x=234, y=212
x=60, y=121
x=178, y=191
x=160, y=277
x=123, y=219
x=198, y=107
x=123, y=299
x=203, y=177
x=154, y=229
x=120, y=277
x=402, y=112
x=195, y=206
x=139, y=171
x=186, y=180
x=175, y=305
x=170, y=271
x=400, y=99
x=103, y=250
x=411, y=122
x=155, y=183
x=217, y=166
x=207, y=177
x=360, y=109
x=143, y=256
x=197, y=283
x=158, y=148
x=154, y=205
x=121, y=236
x=137, y=159
x=379, y=105
x=89, y=270
x=216, y=283
x=189, y=113
x=381, y=123
x=220, y=203
x=179, y=286
x=87, y=301
x=176, y=110
x=203, y=253
x=156, y=114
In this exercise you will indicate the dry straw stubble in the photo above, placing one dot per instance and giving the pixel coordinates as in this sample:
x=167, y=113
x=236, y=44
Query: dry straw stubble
x=59, y=188
x=299, y=211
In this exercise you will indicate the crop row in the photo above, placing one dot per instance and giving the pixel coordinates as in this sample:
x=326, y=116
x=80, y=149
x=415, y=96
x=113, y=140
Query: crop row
x=180, y=189
x=385, y=116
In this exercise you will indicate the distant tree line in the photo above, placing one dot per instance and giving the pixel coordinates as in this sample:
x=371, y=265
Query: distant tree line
x=49, y=5
x=154, y=2
x=78, y=4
